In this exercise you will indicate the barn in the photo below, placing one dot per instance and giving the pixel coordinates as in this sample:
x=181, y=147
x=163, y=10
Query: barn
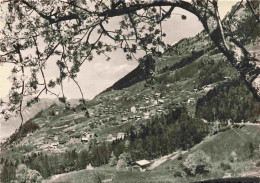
x=142, y=165
x=88, y=136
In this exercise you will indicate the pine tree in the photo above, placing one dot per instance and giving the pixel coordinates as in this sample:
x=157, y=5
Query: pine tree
x=112, y=160
x=124, y=161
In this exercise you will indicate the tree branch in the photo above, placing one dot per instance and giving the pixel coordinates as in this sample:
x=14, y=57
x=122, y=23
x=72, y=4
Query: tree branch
x=166, y=15
x=253, y=11
x=49, y=18
x=17, y=48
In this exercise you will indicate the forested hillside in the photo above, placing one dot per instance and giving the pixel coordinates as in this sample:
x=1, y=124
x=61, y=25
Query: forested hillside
x=230, y=101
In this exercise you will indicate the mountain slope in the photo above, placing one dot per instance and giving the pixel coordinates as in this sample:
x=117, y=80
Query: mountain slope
x=8, y=127
x=131, y=78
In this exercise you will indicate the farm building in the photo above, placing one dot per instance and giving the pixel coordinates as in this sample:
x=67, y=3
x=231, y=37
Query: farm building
x=133, y=109
x=207, y=88
x=155, y=102
x=157, y=95
x=191, y=100
x=124, y=119
x=110, y=138
x=161, y=101
x=142, y=165
x=146, y=115
x=88, y=136
x=120, y=135
x=89, y=167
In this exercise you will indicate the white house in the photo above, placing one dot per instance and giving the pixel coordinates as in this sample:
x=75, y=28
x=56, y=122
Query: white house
x=191, y=100
x=155, y=102
x=120, y=135
x=89, y=167
x=207, y=88
x=110, y=138
x=88, y=136
x=146, y=115
x=159, y=110
x=157, y=94
x=161, y=101
x=124, y=119
x=133, y=109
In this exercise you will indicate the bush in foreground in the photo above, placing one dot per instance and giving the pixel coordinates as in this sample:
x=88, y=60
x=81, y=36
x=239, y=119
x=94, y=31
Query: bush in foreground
x=225, y=166
x=24, y=175
x=197, y=162
x=257, y=164
x=96, y=177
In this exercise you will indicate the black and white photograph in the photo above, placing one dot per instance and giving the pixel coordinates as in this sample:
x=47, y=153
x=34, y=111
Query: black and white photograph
x=129, y=91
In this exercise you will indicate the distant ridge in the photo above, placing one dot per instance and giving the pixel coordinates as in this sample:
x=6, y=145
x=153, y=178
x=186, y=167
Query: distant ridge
x=8, y=127
x=129, y=79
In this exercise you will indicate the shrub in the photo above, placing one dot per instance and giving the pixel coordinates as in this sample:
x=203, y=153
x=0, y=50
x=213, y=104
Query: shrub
x=225, y=128
x=236, y=126
x=198, y=162
x=52, y=113
x=96, y=177
x=63, y=138
x=124, y=161
x=233, y=156
x=225, y=166
x=91, y=125
x=257, y=164
x=113, y=159
x=24, y=174
x=14, y=181
x=177, y=170
x=215, y=128
x=179, y=155
x=76, y=135
x=39, y=114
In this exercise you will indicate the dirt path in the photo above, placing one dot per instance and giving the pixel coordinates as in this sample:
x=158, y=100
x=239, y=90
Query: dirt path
x=157, y=162
x=176, y=156
x=54, y=178
x=248, y=124
x=161, y=160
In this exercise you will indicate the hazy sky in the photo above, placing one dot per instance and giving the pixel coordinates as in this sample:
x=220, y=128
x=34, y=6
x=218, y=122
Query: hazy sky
x=97, y=75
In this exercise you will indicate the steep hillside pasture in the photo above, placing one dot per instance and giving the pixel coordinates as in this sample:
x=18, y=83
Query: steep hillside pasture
x=235, y=151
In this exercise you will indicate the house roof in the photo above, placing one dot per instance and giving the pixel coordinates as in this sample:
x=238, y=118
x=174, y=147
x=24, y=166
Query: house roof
x=121, y=133
x=85, y=139
x=142, y=162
